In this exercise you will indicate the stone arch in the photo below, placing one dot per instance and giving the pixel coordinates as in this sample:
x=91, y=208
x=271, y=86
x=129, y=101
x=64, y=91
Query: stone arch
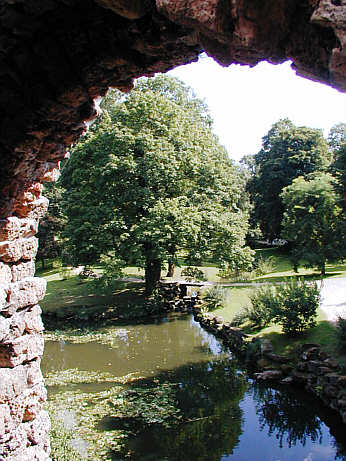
x=56, y=57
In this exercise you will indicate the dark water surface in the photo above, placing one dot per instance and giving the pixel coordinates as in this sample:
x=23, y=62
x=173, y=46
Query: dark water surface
x=229, y=416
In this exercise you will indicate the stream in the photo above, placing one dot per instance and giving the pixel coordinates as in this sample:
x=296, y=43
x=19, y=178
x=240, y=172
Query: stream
x=227, y=416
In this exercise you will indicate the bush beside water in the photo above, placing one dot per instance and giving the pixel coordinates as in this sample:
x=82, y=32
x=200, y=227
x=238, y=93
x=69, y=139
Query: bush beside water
x=293, y=305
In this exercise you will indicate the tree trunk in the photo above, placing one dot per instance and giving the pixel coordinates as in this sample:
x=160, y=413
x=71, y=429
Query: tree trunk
x=152, y=275
x=42, y=264
x=171, y=268
x=323, y=268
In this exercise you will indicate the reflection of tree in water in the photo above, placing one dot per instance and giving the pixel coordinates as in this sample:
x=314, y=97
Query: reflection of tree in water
x=287, y=416
x=208, y=395
x=294, y=417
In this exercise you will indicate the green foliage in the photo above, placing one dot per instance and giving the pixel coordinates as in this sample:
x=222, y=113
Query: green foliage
x=296, y=306
x=263, y=301
x=113, y=270
x=158, y=182
x=193, y=273
x=313, y=221
x=51, y=225
x=287, y=152
x=337, y=145
x=151, y=305
x=341, y=331
x=214, y=298
x=264, y=265
x=293, y=305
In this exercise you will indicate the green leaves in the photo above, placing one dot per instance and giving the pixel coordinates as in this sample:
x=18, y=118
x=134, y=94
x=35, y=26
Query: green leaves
x=287, y=152
x=157, y=182
x=313, y=220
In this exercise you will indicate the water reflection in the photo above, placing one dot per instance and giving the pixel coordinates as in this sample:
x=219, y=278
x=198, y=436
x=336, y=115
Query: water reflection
x=227, y=417
x=208, y=396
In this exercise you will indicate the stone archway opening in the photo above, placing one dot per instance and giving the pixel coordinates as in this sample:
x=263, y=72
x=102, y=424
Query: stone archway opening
x=57, y=57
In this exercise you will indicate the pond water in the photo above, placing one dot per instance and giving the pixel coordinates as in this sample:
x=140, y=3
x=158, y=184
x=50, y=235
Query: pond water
x=227, y=415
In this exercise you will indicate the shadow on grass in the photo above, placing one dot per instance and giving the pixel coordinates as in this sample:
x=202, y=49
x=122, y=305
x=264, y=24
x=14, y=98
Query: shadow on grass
x=324, y=334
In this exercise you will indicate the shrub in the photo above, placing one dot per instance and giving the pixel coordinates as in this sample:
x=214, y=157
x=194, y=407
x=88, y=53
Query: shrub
x=214, y=298
x=236, y=276
x=263, y=302
x=341, y=331
x=193, y=273
x=297, y=305
x=113, y=270
x=240, y=317
x=265, y=265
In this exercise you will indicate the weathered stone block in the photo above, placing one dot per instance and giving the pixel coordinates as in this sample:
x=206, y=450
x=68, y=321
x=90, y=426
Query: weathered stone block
x=331, y=363
x=5, y=419
x=22, y=349
x=33, y=402
x=27, y=292
x=33, y=320
x=3, y=296
x=38, y=429
x=22, y=270
x=33, y=372
x=332, y=378
x=14, y=250
x=33, y=210
x=330, y=391
x=5, y=273
x=342, y=381
x=12, y=383
x=16, y=439
x=131, y=9
x=13, y=228
x=28, y=321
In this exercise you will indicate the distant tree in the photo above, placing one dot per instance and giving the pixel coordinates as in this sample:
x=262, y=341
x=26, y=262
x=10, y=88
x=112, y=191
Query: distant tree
x=157, y=181
x=287, y=152
x=51, y=225
x=313, y=221
x=337, y=145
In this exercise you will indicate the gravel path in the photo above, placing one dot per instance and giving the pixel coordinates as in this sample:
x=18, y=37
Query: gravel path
x=333, y=294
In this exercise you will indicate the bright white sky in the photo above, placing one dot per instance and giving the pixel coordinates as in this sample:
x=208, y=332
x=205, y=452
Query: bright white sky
x=244, y=102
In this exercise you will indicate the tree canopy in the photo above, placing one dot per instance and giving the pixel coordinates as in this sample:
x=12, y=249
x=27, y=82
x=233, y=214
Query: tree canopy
x=287, y=152
x=313, y=220
x=157, y=182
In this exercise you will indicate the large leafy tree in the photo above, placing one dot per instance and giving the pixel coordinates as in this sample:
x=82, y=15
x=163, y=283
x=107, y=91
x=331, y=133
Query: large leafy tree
x=51, y=225
x=287, y=152
x=337, y=145
x=314, y=221
x=151, y=179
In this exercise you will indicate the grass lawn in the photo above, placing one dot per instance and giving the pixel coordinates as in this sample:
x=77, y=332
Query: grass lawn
x=324, y=333
x=283, y=268
x=73, y=293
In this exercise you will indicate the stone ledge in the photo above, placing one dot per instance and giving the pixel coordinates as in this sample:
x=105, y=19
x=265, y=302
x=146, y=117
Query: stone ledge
x=33, y=210
x=26, y=321
x=15, y=250
x=15, y=381
x=22, y=349
x=22, y=270
x=27, y=292
x=13, y=228
x=5, y=273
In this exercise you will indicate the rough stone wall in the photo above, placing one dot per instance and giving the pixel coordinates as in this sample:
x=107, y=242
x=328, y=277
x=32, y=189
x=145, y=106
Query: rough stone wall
x=24, y=426
x=56, y=57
